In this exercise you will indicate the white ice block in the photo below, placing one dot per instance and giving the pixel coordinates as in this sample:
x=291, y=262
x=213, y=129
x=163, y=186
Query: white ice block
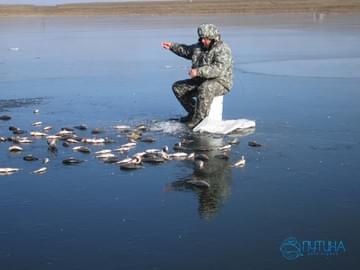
x=213, y=122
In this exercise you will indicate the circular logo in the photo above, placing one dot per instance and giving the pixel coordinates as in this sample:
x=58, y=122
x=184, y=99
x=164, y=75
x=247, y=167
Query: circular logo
x=291, y=248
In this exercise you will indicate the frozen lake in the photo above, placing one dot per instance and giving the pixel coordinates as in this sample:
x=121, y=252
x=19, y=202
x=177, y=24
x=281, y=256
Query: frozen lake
x=297, y=76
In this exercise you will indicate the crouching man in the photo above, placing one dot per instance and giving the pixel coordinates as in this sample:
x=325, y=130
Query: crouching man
x=210, y=73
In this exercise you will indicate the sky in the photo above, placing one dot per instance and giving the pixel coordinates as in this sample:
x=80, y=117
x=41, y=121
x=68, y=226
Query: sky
x=57, y=2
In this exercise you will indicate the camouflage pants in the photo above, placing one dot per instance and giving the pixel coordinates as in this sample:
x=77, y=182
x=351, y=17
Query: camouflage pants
x=196, y=95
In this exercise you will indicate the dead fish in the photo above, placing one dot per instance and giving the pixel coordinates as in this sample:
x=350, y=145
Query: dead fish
x=52, y=145
x=234, y=141
x=46, y=160
x=12, y=128
x=41, y=170
x=179, y=147
x=122, y=149
x=47, y=128
x=148, y=140
x=15, y=148
x=36, y=124
x=97, y=131
x=178, y=156
x=240, y=163
x=82, y=149
x=153, y=158
x=124, y=161
x=36, y=111
x=53, y=137
x=6, y=171
x=130, y=166
x=106, y=155
x=72, y=161
x=128, y=145
x=93, y=140
x=225, y=147
x=3, y=139
x=198, y=183
x=5, y=117
x=111, y=160
x=254, y=144
x=19, y=132
x=81, y=127
x=24, y=140
x=38, y=134
x=30, y=158
x=104, y=151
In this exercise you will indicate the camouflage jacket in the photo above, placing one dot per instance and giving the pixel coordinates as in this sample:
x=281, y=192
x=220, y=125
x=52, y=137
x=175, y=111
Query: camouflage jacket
x=213, y=63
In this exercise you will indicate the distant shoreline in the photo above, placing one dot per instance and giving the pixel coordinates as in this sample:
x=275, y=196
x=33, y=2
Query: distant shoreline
x=189, y=7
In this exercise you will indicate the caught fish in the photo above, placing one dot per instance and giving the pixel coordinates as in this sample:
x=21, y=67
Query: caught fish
x=94, y=140
x=5, y=117
x=15, y=148
x=106, y=155
x=72, y=161
x=254, y=144
x=38, y=134
x=124, y=161
x=30, y=158
x=104, y=151
x=129, y=145
x=82, y=149
x=225, y=147
x=81, y=127
x=8, y=170
x=36, y=124
x=47, y=128
x=240, y=163
x=24, y=140
x=130, y=166
x=41, y=170
x=178, y=155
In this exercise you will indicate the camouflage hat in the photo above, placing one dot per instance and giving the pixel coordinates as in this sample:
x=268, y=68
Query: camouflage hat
x=208, y=31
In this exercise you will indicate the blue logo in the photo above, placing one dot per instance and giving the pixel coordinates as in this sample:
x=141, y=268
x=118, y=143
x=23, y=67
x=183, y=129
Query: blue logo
x=292, y=249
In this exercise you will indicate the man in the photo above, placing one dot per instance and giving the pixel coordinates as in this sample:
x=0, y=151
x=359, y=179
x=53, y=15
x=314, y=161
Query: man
x=210, y=73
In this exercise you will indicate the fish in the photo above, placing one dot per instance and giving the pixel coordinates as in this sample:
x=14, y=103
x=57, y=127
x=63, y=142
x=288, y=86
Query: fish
x=225, y=147
x=178, y=155
x=81, y=127
x=222, y=156
x=38, y=134
x=124, y=161
x=129, y=145
x=71, y=140
x=82, y=149
x=148, y=140
x=46, y=160
x=130, y=166
x=202, y=157
x=234, y=141
x=30, y=158
x=121, y=127
x=47, y=128
x=38, y=123
x=94, y=140
x=240, y=163
x=41, y=170
x=111, y=160
x=104, y=151
x=24, y=140
x=8, y=170
x=254, y=144
x=106, y=155
x=36, y=111
x=72, y=161
x=15, y=148
x=5, y=117
x=97, y=131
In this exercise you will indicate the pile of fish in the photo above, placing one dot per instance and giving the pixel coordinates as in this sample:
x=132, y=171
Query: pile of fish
x=68, y=138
